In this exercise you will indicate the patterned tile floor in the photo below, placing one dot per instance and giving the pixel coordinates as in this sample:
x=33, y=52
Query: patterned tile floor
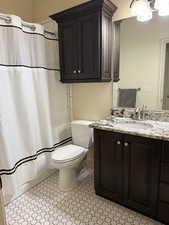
x=44, y=204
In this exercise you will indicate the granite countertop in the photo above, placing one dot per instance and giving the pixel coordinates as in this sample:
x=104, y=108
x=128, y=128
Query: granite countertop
x=154, y=129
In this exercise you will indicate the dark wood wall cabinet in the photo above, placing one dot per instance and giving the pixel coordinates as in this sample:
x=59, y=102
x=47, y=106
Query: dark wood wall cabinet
x=85, y=42
x=133, y=171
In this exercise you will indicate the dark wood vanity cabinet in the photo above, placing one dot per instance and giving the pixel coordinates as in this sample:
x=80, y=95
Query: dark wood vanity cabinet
x=141, y=173
x=85, y=41
x=133, y=171
x=163, y=206
x=109, y=165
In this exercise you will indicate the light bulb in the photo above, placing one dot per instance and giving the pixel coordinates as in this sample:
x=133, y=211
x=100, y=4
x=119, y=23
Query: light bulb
x=145, y=17
x=157, y=4
x=162, y=6
x=141, y=9
x=163, y=12
x=139, y=6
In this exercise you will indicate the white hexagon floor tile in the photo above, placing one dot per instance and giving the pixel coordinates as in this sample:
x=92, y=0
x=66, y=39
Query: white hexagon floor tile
x=45, y=204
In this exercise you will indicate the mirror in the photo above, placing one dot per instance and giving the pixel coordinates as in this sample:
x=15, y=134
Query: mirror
x=143, y=64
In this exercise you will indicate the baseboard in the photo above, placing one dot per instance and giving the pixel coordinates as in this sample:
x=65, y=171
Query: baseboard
x=29, y=185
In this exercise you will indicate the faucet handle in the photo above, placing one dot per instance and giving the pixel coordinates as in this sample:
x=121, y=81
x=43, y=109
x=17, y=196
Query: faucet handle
x=144, y=107
x=137, y=109
x=137, y=113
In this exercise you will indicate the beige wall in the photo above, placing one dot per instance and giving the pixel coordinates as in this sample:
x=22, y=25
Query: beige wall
x=90, y=101
x=123, y=10
x=22, y=8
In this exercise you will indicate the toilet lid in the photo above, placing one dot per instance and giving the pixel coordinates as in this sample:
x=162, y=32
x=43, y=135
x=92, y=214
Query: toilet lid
x=68, y=152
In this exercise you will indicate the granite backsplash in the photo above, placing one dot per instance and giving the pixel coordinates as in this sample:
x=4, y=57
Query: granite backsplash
x=149, y=114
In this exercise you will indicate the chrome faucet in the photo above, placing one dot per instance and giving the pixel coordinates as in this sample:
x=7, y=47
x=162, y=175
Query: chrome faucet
x=143, y=112
x=139, y=113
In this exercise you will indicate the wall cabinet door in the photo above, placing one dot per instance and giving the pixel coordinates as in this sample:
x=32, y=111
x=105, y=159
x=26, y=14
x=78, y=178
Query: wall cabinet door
x=80, y=55
x=108, y=165
x=88, y=49
x=68, y=36
x=141, y=177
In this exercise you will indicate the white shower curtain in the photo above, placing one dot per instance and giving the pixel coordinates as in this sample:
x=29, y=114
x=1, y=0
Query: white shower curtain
x=33, y=103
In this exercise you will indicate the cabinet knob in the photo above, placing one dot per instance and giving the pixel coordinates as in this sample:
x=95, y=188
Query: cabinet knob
x=74, y=71
x=79, y=71
x=118, y=142
x=126, y=144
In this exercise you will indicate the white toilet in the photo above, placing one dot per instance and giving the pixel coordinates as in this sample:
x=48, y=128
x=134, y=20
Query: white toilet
x=68, y=158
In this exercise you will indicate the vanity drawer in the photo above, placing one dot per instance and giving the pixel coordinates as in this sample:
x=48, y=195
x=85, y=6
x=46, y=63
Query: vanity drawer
x=164, y=172
x=164, y=192
x=163, y=212
x=165, y=152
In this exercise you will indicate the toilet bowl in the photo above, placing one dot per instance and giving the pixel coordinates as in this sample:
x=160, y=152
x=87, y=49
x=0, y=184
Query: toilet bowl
x=67, y=159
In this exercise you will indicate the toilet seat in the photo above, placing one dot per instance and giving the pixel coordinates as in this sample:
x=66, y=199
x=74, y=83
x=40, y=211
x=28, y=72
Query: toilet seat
x=68, y=153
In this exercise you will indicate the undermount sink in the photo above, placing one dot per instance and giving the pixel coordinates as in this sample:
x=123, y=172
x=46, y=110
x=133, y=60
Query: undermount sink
x=133, y=125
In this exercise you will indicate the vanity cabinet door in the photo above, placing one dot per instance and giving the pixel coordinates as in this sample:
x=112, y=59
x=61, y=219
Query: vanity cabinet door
x=108, y=165
x=141, y=173
x=163, y=206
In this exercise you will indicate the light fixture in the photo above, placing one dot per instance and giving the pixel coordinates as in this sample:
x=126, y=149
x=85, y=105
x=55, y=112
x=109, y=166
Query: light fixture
x=141, y=9
x=162, y=6
x=145, y=17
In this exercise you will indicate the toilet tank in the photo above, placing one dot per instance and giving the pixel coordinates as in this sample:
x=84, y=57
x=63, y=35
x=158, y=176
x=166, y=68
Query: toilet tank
x=82, y=134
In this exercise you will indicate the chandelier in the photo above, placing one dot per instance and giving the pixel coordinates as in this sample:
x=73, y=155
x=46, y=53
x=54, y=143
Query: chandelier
x=143, y=9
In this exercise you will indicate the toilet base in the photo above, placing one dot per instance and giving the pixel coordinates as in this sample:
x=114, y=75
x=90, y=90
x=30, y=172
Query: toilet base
x=67, y=178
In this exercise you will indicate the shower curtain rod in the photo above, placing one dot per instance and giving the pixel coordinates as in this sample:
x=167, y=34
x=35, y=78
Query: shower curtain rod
x=8, y=20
